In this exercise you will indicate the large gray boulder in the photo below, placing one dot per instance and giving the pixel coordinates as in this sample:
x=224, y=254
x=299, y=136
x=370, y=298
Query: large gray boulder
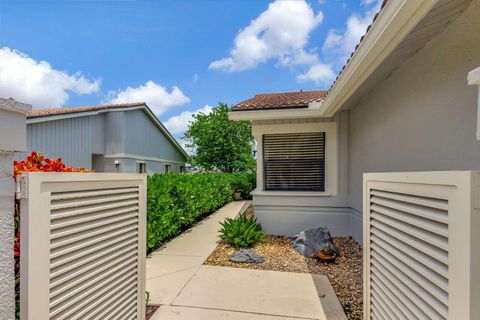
x=246, y=256
x=312, y=241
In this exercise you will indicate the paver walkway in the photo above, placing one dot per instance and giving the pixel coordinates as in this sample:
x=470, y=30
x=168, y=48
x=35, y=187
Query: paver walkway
x=186, y=289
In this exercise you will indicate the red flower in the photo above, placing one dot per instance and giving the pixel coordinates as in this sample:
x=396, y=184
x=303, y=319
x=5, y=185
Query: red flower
x=36, y=162
x=16, y=245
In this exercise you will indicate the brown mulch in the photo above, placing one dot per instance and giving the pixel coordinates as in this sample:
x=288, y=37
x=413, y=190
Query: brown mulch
x=150, y=311
x=345, y=274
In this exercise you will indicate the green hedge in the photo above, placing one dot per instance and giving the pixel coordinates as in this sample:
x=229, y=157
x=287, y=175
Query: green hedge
x=176, y=201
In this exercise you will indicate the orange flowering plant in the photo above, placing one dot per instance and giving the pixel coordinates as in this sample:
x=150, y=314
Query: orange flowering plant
x=35, y=162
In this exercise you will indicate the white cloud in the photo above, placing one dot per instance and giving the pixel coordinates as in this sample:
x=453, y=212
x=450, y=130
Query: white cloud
x=37, y=82
x=339, y=44
x=183, y=143
x=178, y=124
x=321, y=74
x=157, y=97
x=280, y=33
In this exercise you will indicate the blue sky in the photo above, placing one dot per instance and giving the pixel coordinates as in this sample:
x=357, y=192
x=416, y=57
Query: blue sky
x=178, y=56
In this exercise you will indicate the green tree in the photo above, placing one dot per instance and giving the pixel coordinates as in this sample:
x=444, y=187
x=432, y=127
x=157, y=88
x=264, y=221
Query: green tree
x=219, y=142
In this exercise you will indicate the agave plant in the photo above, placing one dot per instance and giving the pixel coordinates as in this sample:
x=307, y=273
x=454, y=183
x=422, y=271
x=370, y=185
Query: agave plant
x=242, y=231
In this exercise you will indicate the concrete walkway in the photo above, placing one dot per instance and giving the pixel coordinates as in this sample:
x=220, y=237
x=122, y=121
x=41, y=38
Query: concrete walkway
x=186, y=289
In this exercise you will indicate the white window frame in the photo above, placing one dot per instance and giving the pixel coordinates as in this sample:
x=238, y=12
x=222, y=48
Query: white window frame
x=331, y=154
x=139, y=165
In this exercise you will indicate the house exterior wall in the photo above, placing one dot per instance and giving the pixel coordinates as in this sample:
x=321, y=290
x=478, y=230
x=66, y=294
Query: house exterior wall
x=114, y=132
x=423, y=117
x=69, y=139
x=98, y=134
x=287, y=213
x=130, y=165
x=13, y=139
x=96, y=141
x=137, y=127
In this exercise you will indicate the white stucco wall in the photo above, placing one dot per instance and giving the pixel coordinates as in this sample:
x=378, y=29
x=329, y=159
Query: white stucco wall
x=12, y=139
x=423, y=117
x=7, y=192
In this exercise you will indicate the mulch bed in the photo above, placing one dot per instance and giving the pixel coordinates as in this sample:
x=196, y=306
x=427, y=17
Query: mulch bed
x=150, y=311
x=345, y=274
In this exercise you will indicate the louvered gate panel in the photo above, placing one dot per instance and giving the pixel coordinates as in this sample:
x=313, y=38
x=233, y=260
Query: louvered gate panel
x=417, y=228
x=409, y=239
x=96, y=246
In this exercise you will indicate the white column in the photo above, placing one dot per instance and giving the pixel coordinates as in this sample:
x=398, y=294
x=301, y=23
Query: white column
x=474, y=80
x=12, y=139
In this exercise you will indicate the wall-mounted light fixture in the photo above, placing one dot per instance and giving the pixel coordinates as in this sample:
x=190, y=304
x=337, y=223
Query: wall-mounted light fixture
x=116, y=163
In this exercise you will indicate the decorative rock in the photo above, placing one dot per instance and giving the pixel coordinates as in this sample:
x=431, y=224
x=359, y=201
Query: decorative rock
x=312, y=241
x=246, y=256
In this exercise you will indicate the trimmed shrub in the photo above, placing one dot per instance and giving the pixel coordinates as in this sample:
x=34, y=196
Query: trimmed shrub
x=176, y=201
x=243, y=183
x=242, y=231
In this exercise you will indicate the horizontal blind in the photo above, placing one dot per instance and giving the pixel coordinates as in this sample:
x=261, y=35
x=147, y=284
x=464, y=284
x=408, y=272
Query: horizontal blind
x=294, y=161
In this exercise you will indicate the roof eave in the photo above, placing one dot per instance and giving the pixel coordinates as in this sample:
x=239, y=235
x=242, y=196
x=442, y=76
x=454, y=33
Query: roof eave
x=269, y=107
x=275, y=114
x=392, y=25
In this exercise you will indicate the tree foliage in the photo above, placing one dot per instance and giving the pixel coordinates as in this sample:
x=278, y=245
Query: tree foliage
x=219, y=142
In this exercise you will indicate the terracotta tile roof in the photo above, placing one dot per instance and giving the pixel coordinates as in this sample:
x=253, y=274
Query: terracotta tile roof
x=281, y=100
x=36, y=113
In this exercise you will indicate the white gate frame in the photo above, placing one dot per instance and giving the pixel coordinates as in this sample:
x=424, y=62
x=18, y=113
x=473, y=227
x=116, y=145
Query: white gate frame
x=35, y=194
x=462, y=190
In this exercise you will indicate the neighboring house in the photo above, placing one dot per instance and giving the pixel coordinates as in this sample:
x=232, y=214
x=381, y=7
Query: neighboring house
x=401, y=103
x=107, y=138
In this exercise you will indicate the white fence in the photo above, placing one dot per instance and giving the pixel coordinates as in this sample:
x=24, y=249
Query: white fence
x=82, y=246
x=422, y=245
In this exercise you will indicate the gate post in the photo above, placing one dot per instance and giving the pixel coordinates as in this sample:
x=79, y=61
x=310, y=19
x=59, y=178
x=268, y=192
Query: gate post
x=13, y=129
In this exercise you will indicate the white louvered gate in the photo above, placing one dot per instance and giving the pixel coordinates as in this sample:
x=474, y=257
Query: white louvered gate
x=421, y=245
x=83, y=246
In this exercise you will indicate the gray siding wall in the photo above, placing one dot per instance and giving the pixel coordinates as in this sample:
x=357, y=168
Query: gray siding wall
x=98, y=134
x=142, y=137
x=423, y=117
x=114, y=132
x=69, y=139
x=78, y=140
x=130, y=165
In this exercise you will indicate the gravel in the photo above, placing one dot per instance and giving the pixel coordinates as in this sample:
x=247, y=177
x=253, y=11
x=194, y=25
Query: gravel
x=345, y=274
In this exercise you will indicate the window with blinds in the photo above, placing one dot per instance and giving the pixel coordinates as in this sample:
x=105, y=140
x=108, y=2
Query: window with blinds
x=294, y=161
